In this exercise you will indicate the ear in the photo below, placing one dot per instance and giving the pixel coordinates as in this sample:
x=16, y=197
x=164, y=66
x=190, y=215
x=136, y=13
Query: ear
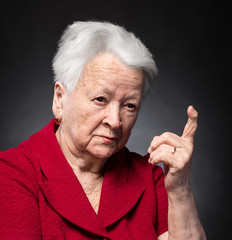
x=58, y=98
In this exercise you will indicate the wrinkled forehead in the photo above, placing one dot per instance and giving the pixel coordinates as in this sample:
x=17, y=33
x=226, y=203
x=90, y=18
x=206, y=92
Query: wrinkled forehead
x=107, y=67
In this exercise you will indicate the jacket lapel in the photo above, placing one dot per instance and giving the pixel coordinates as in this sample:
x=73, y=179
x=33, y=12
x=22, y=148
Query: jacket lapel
x=119, y=193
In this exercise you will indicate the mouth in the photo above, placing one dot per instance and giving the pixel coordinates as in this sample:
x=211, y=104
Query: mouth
x=108, y=140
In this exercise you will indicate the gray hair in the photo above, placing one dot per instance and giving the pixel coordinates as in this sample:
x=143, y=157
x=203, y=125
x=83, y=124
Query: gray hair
x=82, y=41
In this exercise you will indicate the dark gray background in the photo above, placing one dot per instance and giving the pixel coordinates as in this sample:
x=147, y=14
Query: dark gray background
x=189, y=40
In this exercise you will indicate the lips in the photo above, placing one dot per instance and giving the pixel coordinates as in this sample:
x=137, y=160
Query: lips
x=108, y=139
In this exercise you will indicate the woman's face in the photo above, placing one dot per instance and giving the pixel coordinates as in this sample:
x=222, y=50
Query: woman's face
x=98, y=116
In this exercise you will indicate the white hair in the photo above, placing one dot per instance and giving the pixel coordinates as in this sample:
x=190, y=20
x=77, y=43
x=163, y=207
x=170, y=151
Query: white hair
x=82, y=41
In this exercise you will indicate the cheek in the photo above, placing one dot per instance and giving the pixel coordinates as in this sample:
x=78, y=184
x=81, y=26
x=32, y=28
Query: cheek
x=79, y=120
x=80, y=113
x=87, y=124
x=85, y=128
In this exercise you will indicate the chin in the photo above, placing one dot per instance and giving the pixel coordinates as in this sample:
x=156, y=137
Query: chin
x=103, y=152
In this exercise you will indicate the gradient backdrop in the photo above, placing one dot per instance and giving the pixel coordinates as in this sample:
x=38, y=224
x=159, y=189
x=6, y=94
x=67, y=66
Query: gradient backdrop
x=189, y=41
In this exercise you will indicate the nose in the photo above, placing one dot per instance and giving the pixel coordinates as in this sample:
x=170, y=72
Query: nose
x=112, y=117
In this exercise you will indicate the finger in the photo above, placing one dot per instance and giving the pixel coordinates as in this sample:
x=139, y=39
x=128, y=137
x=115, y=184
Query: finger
x=164, y=154
x=191, y=125
x=166, y=138
x=175, y=159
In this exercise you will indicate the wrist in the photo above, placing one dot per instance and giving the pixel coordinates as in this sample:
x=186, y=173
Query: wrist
x=180, y=195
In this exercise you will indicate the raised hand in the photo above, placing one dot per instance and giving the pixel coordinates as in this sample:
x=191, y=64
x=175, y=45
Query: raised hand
x=176, y=154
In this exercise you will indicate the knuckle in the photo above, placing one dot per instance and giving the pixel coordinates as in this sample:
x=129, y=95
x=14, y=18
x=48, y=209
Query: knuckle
x=195, y=125
x=155, y=138
x=166, y=135
x=162, y=147
x=154, y=143
x=158, y=154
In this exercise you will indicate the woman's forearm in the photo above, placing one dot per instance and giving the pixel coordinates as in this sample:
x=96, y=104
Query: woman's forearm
x=183, y=220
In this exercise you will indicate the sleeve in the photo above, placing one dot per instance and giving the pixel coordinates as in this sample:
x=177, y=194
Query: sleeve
x=161, y=201
x=19, y=210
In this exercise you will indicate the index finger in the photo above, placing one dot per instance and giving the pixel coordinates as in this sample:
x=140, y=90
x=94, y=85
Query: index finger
x=191, y=125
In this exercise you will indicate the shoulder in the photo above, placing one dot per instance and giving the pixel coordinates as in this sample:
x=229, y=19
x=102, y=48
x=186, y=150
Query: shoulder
x=21, y=164
x=24, y=157
x=18, y=158
x=18, y=168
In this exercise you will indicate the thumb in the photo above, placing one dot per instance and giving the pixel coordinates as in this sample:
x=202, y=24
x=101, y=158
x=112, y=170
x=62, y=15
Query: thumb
x=191, y=125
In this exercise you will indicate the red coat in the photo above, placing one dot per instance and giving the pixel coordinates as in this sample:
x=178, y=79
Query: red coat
x=41, y=198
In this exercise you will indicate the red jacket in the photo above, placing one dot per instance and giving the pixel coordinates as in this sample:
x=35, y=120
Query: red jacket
x=41, y=198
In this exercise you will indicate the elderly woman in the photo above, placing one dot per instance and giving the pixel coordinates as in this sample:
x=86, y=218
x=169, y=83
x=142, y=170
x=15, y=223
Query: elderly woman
x=75, y=179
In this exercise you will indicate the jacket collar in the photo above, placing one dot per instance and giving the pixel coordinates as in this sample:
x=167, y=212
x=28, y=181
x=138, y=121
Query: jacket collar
x=65, y=195
x=118, y=195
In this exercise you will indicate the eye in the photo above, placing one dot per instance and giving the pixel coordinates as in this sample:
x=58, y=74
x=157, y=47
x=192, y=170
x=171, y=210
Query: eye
x=100, y=99
x=131, y=106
